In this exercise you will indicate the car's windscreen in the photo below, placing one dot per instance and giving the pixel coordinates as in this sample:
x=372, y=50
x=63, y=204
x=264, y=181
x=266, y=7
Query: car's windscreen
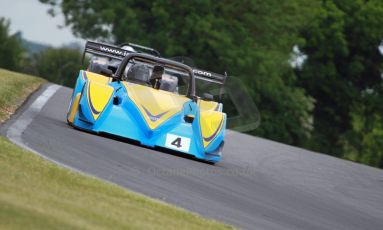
x=212, y=88
x=168, y=79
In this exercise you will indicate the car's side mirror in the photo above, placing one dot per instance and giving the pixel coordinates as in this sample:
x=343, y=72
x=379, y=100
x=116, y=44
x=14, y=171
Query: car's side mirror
x=106, y=72
x=207, y=97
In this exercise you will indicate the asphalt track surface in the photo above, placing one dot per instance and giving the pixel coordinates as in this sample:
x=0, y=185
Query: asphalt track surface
x=259, y=184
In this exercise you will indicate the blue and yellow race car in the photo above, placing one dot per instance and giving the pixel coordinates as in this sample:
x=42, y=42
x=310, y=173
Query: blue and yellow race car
x=152, y=100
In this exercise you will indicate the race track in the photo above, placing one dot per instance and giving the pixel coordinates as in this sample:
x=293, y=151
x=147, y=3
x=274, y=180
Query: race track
x=259, y=184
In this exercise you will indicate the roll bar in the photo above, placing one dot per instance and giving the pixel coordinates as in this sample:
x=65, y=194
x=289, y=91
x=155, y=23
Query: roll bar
x=157, y=60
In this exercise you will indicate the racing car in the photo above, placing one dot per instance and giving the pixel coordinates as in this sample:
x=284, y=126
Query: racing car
x=152, y=100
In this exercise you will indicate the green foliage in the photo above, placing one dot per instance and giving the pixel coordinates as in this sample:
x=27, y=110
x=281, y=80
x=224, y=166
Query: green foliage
x=11, y=49
x=364, y=141
x=342, y=46
x=59, y=65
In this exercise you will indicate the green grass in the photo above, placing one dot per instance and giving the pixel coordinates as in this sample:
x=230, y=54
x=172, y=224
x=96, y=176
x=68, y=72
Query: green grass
x=37, y=194
x=14, y=88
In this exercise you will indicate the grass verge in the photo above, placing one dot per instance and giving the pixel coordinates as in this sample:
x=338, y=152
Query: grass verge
x=37, y=194
x=14, y=88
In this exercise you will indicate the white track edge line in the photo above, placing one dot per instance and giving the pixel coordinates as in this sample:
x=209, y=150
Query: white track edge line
x=21, y=123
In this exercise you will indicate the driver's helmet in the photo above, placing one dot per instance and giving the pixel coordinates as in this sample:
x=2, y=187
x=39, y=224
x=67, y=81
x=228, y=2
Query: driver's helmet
x=128, y=48
x=138, y=73
x=169, y=83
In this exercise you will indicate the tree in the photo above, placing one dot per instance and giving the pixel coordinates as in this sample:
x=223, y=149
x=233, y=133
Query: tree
x=59, y=65
x=343, y=61
x=364, y=141
x=11, y=49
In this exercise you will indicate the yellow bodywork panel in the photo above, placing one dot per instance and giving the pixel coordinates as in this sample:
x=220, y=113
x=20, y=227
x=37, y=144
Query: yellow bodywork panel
x=74, y=108
x=156, y=106
x=211, y=123
x=208, y=105
x=98, y=96
x=96, y=77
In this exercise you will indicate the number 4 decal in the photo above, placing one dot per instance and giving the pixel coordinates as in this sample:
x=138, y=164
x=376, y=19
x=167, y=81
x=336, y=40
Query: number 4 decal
x=176, y=142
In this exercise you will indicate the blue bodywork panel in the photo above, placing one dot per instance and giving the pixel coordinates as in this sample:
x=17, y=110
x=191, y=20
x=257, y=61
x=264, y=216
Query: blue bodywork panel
x=110, y=109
